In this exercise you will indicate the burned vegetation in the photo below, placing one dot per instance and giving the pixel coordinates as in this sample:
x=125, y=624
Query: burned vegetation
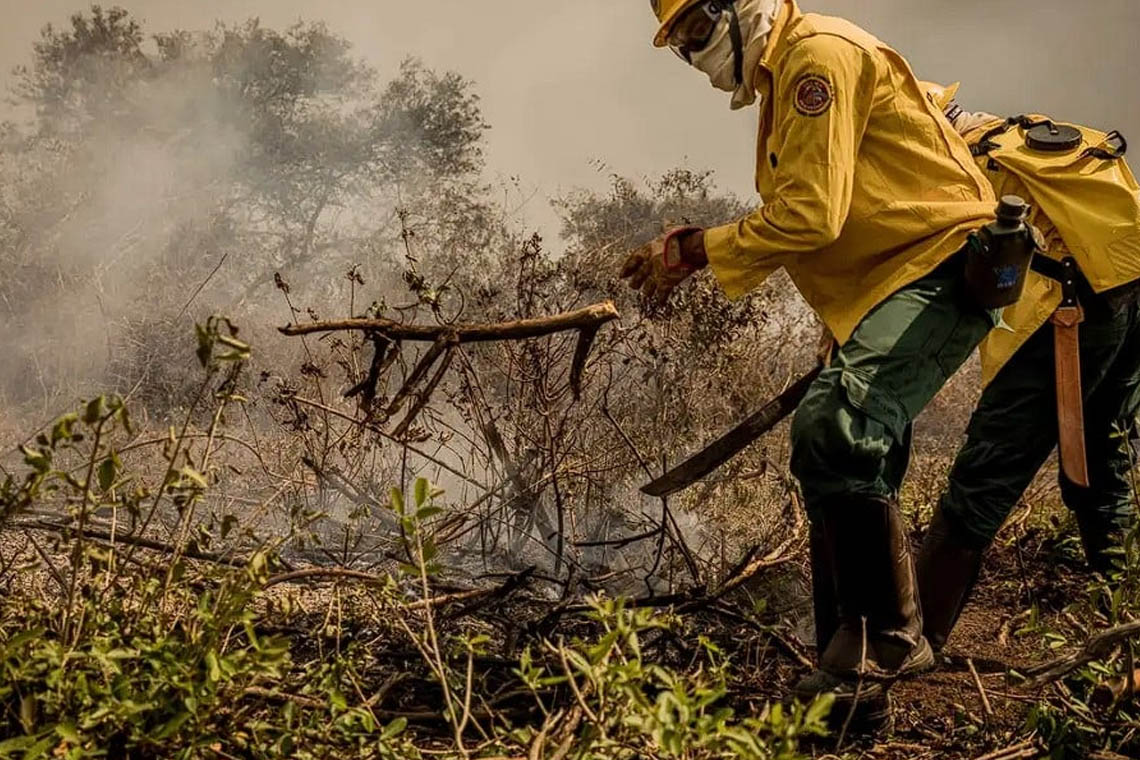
x=387, y=505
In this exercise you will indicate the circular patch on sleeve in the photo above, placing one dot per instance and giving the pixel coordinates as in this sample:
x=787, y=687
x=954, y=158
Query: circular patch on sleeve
x=813, y=95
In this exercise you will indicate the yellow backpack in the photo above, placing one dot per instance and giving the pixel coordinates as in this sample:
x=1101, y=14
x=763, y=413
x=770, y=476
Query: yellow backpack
x=1079, y=179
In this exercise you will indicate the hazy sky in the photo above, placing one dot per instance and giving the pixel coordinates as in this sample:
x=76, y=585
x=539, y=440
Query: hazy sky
x=573, y=90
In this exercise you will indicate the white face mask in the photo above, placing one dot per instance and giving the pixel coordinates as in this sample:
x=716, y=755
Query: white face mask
x=717, y=60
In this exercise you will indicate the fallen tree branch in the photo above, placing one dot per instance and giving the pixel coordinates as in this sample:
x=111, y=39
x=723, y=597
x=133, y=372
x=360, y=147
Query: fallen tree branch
x=421, y=716
x=325, y=573
x=129, y=540
x=343, y=573
x=512, y=584
x=588, y=318
x=1097, y=647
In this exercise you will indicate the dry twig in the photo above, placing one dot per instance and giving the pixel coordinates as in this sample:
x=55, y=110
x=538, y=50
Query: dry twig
x=1098, y=646
x=1025, y=749
x=981, y=690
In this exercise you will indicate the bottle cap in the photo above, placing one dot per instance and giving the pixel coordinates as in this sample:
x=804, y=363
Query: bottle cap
x=1012, y=208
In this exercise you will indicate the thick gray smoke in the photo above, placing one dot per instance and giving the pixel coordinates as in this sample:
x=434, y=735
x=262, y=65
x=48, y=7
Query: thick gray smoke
x=93, y=218
x=156, y=184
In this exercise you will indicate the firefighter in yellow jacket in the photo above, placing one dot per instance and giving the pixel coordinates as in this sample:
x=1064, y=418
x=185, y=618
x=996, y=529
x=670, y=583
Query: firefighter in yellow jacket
x=1073, y=380
x=870, y=199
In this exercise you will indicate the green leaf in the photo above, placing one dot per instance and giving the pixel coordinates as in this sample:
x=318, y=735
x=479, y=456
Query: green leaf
x=338, y=701
x=61, y=430
x=68, y=733
x=213, y=672
x=108, y=469
x=396, y=500
x=40, y=748
x=37, y=460
x=125, y=418
x=426, y=513
x=205, y=345
x=171, y=727
x=94, y=410
x=13, y=745
x=394, y=729
x=22, y=638
x=421, y=491
x=820, y=709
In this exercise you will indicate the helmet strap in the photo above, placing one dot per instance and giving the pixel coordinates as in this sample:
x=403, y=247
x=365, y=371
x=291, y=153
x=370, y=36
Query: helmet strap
x=737, y=43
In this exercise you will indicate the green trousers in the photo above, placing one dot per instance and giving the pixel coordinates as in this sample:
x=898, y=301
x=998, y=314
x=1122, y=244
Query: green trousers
x=851, y=434
x=1014, y=429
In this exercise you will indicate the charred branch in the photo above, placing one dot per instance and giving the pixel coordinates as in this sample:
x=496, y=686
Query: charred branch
x=588, y=318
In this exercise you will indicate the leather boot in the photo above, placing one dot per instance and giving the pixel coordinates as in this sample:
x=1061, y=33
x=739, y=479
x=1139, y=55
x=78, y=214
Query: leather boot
x=947, y=572
x=825, y=602
x=879, y=637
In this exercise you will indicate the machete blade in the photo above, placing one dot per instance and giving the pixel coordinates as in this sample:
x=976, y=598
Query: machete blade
x=733, y=442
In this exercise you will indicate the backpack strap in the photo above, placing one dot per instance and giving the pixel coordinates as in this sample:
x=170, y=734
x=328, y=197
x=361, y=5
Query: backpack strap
x=986, y=143
x=1117, y=146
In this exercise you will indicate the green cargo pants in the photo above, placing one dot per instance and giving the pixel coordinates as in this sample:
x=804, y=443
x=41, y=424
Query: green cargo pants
x=851, y=434
x=1014, y=429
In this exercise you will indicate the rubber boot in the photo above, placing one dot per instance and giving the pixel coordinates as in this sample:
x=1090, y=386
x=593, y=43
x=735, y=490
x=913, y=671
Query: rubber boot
x=879, y=637
x=825, y=602
x=947, y=572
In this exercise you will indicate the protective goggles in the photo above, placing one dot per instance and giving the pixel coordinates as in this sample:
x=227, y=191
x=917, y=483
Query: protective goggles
x=693, y=30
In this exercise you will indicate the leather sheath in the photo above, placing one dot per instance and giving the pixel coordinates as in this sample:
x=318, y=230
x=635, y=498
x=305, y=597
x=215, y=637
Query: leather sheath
x=1070, y=402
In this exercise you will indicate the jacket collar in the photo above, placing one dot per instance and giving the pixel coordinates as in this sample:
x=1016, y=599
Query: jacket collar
x=786, y=18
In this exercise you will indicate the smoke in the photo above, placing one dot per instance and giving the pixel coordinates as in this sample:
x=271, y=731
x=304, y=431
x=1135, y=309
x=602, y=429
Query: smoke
x=94, y=215
x=155, y=188
x=100, y=221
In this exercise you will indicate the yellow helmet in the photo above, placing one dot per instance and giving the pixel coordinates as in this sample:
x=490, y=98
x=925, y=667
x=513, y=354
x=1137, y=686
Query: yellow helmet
x=667, y=12
x=939, y=95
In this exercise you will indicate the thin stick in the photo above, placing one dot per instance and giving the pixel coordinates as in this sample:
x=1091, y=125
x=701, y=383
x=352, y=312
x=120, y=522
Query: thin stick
x=981, y=690
x=1009, y=752
x=858, y=689
x=205, y=282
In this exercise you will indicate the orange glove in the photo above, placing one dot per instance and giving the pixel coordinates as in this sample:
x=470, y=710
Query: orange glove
x=660, y=265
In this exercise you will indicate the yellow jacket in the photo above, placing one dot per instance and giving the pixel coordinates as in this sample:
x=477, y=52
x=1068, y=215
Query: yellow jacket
x=1085, y=207
x=867, y=188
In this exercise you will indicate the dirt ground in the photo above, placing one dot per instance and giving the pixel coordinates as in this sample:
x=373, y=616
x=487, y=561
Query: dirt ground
x=944, y=714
